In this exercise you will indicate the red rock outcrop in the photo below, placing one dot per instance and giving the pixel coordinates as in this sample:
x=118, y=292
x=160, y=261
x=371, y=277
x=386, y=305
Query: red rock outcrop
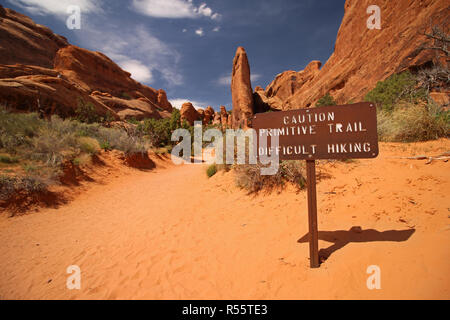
x=230, y=121
x=188, y=113
x=24, y=42
x=362, y=56
x=201, y=114
x=217, y=120
x=209, y=115
x=223, y=117
x=241, y=90
x=42, y=71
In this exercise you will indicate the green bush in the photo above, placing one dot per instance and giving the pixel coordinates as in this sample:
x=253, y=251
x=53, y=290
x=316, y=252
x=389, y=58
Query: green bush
x=57, y=139
x=89, y=145
x=8, y=160
x=212, y=170
x=413, y=122
x=326, y=100
x=87, y=113
x=159, y=131
x=402, y=86
x=17, y=130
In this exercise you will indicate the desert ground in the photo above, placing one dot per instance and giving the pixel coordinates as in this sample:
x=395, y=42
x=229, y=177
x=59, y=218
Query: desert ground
x=172, y=233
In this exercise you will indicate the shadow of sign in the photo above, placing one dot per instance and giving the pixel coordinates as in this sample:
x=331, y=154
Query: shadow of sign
x=340, y=238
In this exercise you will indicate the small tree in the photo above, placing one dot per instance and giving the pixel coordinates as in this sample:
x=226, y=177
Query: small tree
x=326, y=100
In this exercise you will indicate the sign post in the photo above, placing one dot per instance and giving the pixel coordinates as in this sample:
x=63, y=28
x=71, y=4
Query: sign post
x=312, y=214
x=333, y=132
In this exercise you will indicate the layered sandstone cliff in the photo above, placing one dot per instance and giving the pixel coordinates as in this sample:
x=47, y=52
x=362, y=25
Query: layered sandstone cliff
x=41, y=71
x=362, y=56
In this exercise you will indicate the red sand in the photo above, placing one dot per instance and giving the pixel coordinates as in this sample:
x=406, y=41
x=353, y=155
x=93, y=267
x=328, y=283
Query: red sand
x=172, y=233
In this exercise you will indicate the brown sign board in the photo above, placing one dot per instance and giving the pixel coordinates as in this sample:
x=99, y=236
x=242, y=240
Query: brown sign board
x=333, y=132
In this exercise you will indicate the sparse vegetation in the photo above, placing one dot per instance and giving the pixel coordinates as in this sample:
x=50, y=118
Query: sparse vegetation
x=41, y=147
x=212, y=170
x=413, y=122
x=398, y=87
x=249, y=176
x=326, y=100
x=8, y=159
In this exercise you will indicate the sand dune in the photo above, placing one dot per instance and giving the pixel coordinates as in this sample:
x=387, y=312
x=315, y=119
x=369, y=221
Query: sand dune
x=172, y=233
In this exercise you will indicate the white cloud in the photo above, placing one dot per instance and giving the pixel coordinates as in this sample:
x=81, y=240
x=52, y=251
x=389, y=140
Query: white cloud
x=138, y=70
x=204, y=10
x=199, y=32
x=216, y=29
x=57, y=7
x=177, y=103
x=184, y=30
x=226, y=80
x=135, y=49
x=173, y=9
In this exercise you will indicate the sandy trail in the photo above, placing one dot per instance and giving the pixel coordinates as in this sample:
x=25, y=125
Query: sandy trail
x=175, y=234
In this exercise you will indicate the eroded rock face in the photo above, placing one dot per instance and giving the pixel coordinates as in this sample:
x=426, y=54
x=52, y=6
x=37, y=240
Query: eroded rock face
x=209, y=115
x=188, y=113
x=223, y=117
x=41, y=71
x=362, y=57
x=241, y=90
x=25, y=42
x=217, y=120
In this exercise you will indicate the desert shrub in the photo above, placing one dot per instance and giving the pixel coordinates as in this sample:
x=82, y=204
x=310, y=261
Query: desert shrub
x=326, y=100
x=413, y=122
x=89, y=145
x=249, y=176
x=212, y=170
x=126, y=96
x=159, y=131
x=10, y=185
x=56, y=141
x=8, y=159
x=118, y=139
x=17, y=130
x=87, y=113
x=403, y=86
x=82, y=159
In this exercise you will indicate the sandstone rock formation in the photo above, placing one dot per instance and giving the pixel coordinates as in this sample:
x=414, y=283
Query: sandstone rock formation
x=223, y=117
x=201, y=115
x=241, y=90
x=188, y=113
x=230, y=121
x=25, y=42
x=362, y=57
x=209, y=115
x=41, y=71
x=217, y=120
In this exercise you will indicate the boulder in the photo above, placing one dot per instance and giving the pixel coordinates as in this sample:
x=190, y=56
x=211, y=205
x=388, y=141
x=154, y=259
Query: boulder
x=188, y=113
x=241, y=90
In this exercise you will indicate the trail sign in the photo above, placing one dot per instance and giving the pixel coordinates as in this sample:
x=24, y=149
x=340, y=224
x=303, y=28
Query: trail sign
x=333, y=132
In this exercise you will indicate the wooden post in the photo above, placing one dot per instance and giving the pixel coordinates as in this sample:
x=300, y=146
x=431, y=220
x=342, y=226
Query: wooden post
x=312, y=213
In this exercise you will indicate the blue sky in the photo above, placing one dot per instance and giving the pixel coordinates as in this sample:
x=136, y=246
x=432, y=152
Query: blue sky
x=187, y=47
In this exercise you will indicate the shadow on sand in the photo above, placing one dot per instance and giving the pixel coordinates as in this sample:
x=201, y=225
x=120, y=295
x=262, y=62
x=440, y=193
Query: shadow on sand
x=340, y=238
